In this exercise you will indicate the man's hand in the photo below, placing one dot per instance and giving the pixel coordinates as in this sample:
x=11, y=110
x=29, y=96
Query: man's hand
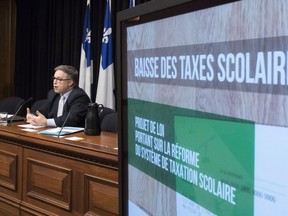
x=38, y=119
x=30, y=117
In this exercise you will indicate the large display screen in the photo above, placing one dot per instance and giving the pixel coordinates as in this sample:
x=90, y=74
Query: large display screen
x=204, y=111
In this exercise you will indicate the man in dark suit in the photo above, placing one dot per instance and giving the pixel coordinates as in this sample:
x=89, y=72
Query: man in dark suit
x=65, y=97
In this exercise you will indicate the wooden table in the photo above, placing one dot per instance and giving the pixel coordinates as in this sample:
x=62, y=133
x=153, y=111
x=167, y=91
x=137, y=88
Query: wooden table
x=45, y=175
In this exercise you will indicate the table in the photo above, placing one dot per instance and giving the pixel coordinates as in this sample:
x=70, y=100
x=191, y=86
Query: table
x=45, y=175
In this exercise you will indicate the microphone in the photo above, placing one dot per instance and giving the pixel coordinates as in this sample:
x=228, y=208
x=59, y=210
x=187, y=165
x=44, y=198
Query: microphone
x=19, y=108
x=64, y=123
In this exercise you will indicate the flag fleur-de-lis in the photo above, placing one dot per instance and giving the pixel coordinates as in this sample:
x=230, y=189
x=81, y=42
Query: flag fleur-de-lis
x=88, y=36
x=106, y=34
x=86, y=69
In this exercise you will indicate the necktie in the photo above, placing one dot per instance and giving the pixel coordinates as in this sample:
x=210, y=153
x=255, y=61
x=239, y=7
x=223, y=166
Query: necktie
x=60, y=106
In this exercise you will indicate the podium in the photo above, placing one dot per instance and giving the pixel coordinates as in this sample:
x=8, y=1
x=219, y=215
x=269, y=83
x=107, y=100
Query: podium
x=45, y=175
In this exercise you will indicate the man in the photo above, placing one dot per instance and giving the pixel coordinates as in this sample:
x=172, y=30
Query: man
x=65, y=91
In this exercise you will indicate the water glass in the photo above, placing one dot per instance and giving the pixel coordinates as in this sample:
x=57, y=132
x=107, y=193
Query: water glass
x=3, y=118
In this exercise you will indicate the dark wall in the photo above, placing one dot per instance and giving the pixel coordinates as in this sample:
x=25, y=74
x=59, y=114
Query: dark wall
x=37, y=35
x=7, y=47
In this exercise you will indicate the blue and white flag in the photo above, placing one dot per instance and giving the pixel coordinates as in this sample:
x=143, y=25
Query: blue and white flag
x=132, y=3
x=106, y=84
x=86, y=67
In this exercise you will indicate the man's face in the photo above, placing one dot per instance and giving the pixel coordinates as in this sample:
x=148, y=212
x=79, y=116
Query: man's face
x=61, y=82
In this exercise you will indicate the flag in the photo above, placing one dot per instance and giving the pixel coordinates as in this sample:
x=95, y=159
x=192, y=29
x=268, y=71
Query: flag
x=86, y=67
x=106, y=84
x=132, y=4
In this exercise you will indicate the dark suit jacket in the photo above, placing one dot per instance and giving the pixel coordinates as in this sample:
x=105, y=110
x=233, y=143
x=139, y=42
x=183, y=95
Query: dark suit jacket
x=77, y=102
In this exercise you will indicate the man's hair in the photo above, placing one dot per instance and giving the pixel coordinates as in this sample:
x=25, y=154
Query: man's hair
x=70, y=71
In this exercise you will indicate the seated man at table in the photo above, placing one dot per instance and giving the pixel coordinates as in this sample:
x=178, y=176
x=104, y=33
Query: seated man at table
x=66, y=98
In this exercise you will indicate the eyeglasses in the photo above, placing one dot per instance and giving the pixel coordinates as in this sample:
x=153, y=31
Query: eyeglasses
x=59, y=79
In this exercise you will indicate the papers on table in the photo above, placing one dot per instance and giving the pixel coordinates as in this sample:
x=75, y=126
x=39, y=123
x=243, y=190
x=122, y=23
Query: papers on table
x=64, y=131
x=30, y=126
x=53, y=131
x=16, y=118
x=74, y=138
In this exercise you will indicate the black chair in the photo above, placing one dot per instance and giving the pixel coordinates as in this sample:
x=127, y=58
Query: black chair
x=109, y=122
x=37, y=105
x=103, y=111
x=11, y=105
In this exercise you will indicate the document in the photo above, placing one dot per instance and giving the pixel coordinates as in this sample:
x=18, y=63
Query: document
x=64, y=131
x=30, y=126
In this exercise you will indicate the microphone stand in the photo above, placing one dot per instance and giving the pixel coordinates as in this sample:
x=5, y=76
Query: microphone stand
x=18, y=110
x=64, y=123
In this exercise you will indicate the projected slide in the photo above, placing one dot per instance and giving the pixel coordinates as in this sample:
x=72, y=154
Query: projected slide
x=208, y=112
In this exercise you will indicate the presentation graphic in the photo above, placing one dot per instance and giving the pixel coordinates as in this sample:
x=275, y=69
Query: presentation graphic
x=191, y=157
x=207, y=112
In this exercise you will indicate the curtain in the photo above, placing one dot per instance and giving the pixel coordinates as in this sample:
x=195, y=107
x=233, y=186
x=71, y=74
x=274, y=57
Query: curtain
x=48, y=33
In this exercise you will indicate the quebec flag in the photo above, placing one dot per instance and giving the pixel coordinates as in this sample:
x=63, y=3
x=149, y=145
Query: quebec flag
x=86, y=67
x=132, y=3
x=106, y=84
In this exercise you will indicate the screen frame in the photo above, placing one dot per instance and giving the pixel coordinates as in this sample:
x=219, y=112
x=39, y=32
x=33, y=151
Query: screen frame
x=147, y=12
